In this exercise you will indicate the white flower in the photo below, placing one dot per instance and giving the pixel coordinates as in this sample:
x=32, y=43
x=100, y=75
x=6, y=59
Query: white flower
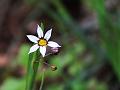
x=41, y=41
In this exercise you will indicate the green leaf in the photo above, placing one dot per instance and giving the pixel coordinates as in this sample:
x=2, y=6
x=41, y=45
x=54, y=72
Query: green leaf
x=29, y=69
x=42, y=26
x=13, y=84
x=33, y=72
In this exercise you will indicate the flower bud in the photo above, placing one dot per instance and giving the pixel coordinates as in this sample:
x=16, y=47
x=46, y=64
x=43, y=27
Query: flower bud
x=55, y=50
x=53, y=67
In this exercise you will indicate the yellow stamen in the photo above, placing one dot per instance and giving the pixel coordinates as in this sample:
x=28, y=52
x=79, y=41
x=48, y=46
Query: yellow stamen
x=42, y=42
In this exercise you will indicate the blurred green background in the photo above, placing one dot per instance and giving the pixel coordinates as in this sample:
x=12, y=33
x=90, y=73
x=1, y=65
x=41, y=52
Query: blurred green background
x=87, y=30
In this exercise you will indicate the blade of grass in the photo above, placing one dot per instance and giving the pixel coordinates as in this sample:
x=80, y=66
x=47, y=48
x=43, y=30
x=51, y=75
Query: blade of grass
x=28, y=69
x=34, y=71
x=110, y=34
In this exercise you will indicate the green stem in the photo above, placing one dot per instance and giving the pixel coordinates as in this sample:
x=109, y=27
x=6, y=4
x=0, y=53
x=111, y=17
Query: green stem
x=42, y=81
x=28, y=70
x=34, y=71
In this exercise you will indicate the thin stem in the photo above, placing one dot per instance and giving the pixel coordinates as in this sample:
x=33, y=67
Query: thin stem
x=42, y=81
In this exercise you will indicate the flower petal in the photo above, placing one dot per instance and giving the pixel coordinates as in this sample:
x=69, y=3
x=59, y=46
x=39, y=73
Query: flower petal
x=33, y=48
x=39, y=31
x=43, y=50
x=33, y=38
x=53, y=44
x=48, y=34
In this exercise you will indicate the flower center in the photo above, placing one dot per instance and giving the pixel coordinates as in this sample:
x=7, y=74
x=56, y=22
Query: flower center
x=42, y=42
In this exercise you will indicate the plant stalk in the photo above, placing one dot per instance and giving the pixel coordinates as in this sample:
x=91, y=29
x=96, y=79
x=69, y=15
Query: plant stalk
x=42, y=80
x=34, y=71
